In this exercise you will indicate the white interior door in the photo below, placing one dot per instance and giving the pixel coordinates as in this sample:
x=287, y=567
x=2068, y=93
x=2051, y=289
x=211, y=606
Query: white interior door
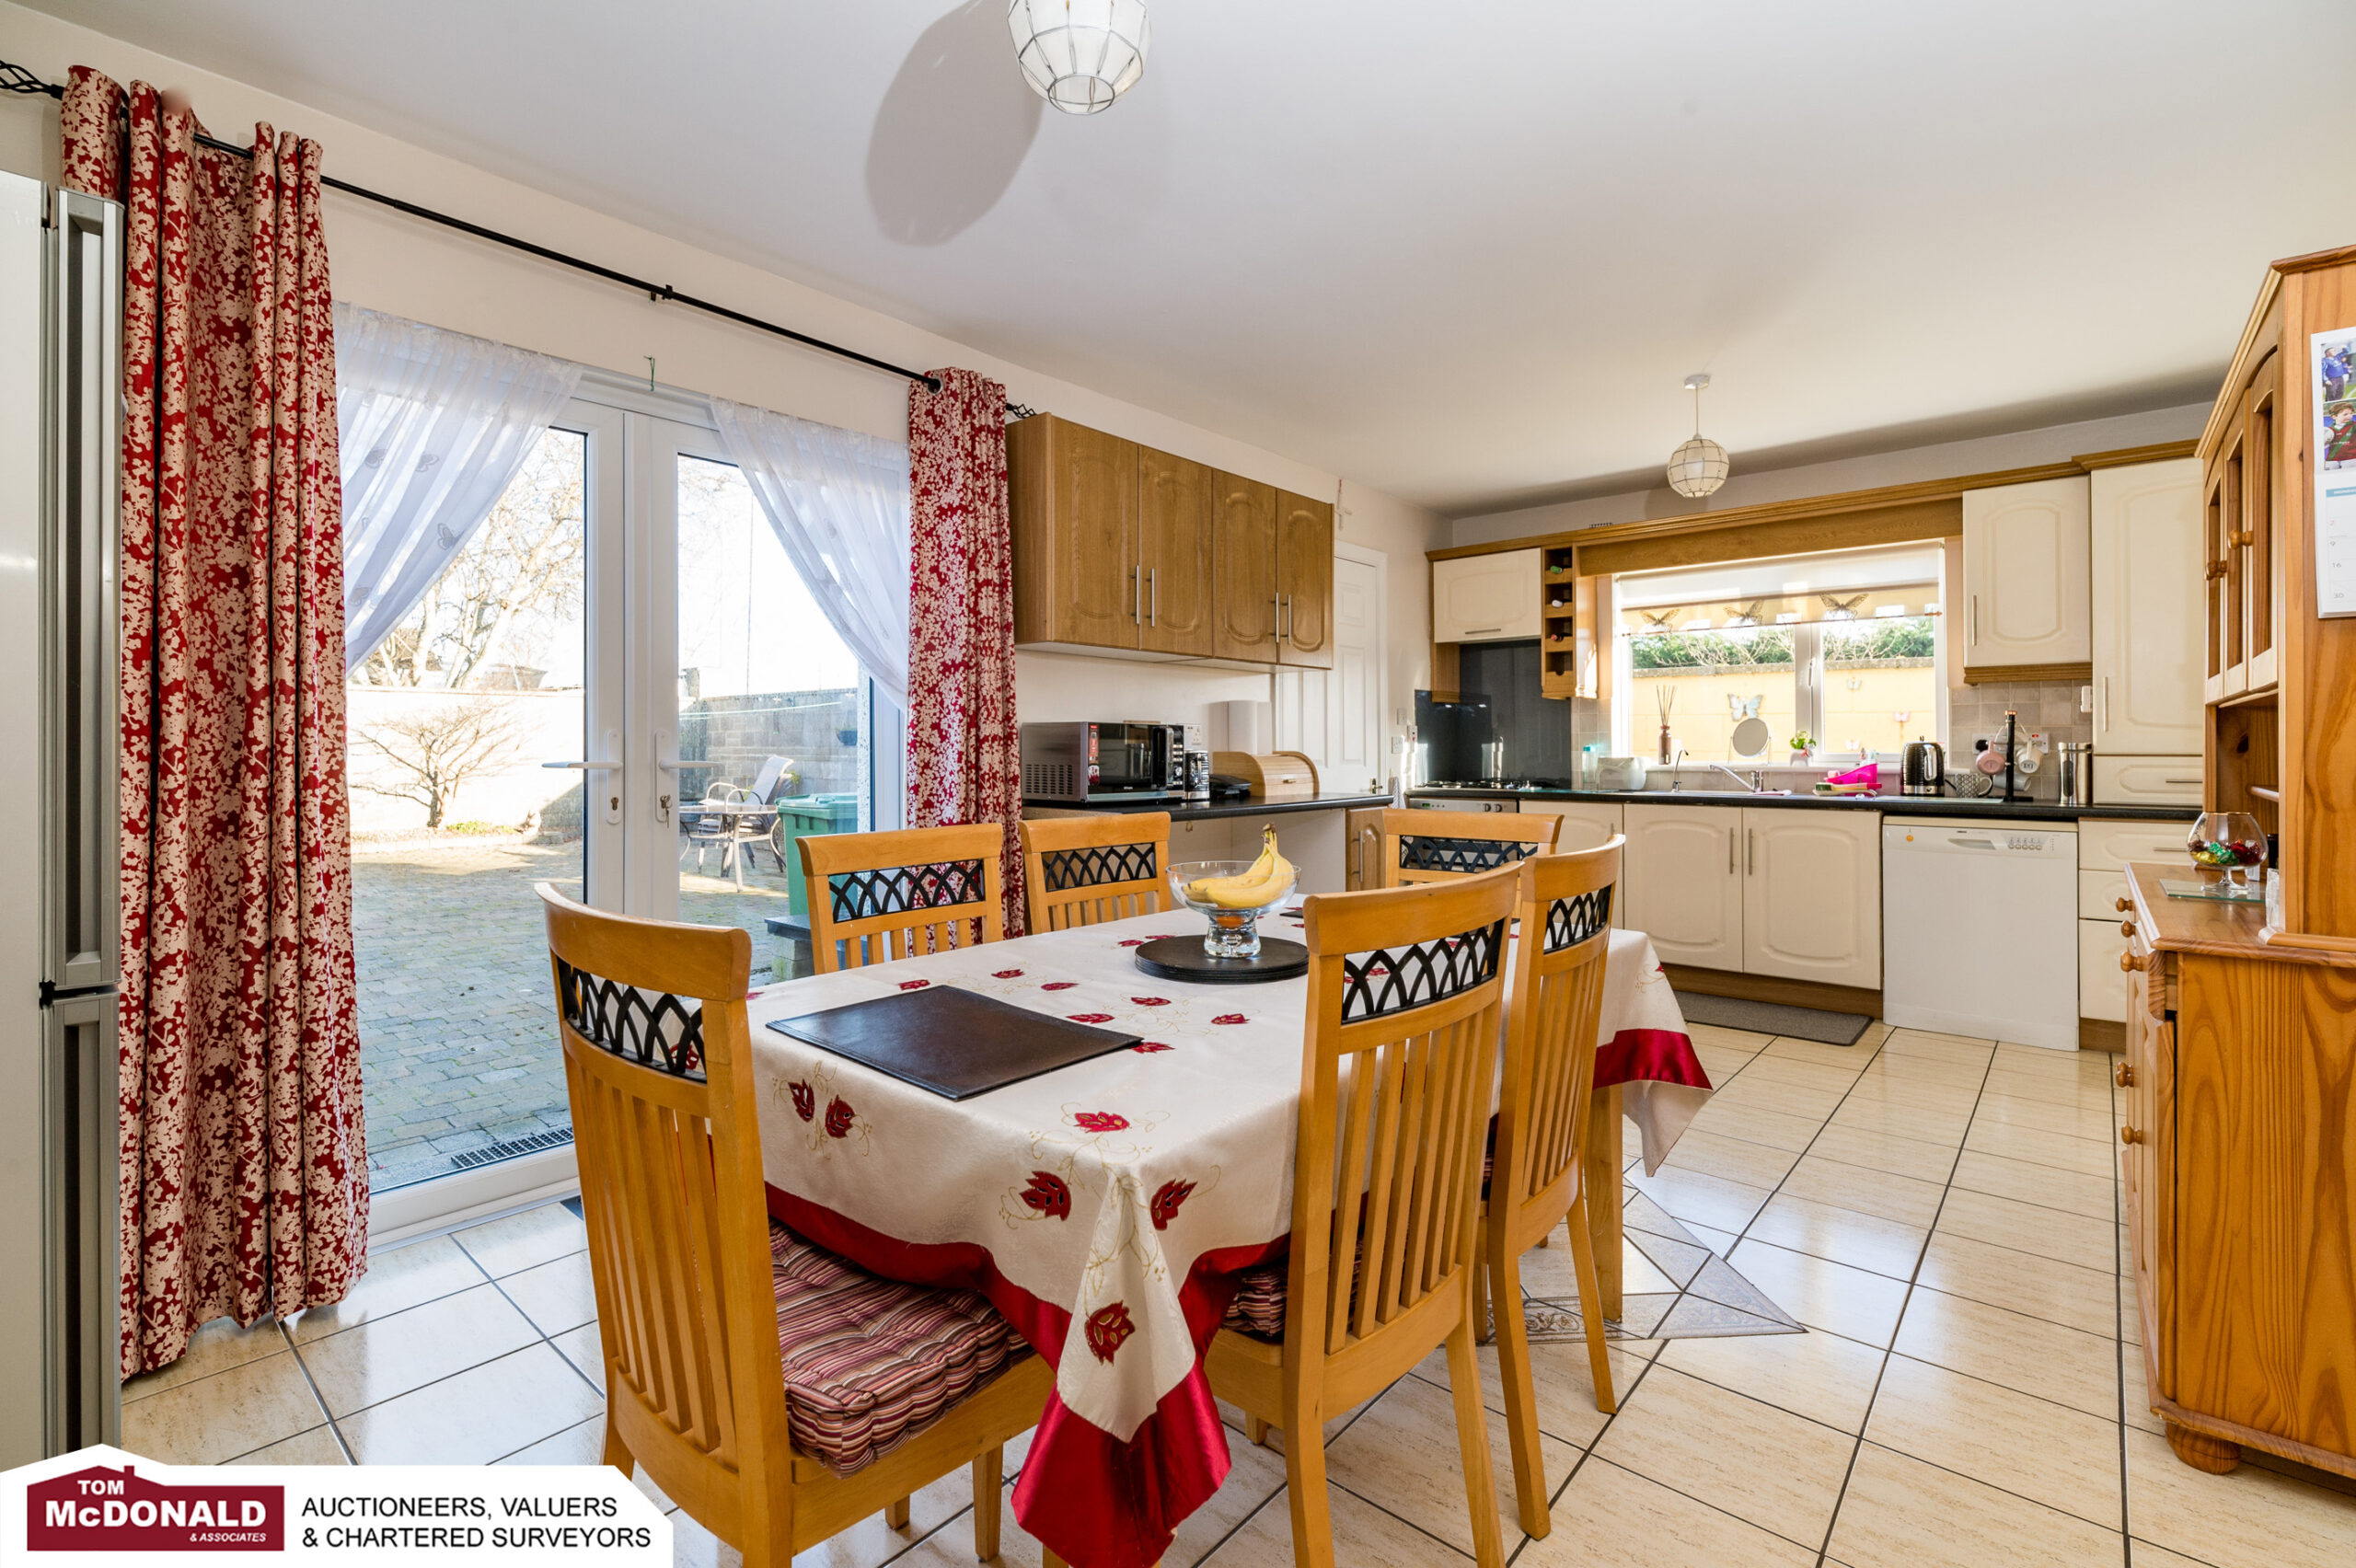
x=1354, y=697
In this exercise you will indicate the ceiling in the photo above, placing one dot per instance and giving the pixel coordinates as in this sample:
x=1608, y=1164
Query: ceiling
x=1464, y=253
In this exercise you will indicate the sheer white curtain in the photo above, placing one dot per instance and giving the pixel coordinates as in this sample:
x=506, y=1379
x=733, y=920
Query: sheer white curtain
x=839, y=503
x=433, y=426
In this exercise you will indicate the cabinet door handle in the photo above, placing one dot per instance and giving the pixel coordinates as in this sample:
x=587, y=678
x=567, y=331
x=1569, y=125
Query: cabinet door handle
x=1975, y=620
x=2216, y=570
x=1285, y=628
x=2128, y=963
x=2124, y=905
x=1751, y=854
x=2124, y=1076
x=1278, y=601
x=1135, y=613
x=1153, y=602
x=2131, y=1136
x=2243, y=540
x=1729, y=851
x=1481, y=630
x=2127, y=927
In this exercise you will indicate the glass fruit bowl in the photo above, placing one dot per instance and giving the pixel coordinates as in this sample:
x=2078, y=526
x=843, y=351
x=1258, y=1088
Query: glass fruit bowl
x=2231, y=842
x=1226, y=891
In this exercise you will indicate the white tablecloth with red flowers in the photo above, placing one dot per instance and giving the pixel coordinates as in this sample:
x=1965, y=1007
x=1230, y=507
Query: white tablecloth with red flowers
x=1106, y=1207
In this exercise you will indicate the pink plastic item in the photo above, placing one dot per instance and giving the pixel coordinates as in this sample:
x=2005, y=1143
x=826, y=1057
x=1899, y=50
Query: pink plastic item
x=1868, y=773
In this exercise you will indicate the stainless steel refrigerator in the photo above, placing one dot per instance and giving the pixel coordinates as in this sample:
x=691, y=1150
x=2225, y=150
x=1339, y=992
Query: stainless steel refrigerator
x=61, y=403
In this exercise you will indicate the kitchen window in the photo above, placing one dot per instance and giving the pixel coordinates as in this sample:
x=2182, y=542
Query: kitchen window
x=1845, y=649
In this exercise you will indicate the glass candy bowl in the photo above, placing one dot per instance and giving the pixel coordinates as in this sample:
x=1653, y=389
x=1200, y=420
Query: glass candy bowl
x=1235, y=932
x=2231, y=842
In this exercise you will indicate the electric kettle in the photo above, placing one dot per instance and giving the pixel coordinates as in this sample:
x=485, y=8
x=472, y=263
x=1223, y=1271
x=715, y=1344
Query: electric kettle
x=1925, y=768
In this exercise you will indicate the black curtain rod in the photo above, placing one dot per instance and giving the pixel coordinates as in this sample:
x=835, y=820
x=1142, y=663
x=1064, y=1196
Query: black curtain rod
x=16, y=79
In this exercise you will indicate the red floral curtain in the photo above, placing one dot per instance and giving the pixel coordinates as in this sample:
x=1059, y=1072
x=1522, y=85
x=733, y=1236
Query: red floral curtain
x=243, y=1166
x=964, y=761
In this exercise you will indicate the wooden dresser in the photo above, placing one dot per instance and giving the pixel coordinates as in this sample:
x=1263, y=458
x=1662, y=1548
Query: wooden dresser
x=2239, y=1139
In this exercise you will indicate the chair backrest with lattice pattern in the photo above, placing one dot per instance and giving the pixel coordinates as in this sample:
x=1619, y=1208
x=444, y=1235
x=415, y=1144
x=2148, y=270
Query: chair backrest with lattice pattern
x=658, y=1068
x=1405, y=987
x=1429, y=845
x=1564, y=909
x=877, y=896
x=1082, y=870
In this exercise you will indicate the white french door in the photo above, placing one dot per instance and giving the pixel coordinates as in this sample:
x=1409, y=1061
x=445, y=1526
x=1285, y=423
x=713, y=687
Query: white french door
x=720, y=717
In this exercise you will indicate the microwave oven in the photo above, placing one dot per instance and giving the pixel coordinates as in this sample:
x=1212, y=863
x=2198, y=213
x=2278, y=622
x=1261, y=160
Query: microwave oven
x=1079, y=762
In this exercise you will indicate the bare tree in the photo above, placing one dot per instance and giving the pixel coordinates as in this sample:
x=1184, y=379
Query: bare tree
x=508, y=586
x=432, y=753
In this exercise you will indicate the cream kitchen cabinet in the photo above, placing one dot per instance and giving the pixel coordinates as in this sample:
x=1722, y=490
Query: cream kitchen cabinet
x=2026, y=568
x=1486, y=598
x=2147, y=780
x=1682, y=868
x=1586, y=824
x=1811, y=895
x=2147, y=614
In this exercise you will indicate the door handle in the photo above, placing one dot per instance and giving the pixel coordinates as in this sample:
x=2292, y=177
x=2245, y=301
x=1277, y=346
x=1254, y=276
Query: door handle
x=1153, y=600
x=1975, y=620
x=1136, y=589
x=1481, y=630
x=1284, y=616
x=1730, y=851
x=1751, y=854
x=594, y=765
x=1278, y=601
x=666, y=759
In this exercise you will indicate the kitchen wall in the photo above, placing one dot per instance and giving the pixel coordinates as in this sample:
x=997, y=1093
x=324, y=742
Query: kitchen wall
x=391, y=263
x=2048, y=707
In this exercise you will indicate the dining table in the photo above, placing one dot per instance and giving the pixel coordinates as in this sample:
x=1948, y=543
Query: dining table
x=1107, y=1207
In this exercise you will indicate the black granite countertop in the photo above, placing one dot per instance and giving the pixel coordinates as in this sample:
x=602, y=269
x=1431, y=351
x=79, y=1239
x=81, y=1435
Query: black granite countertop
x=1181, y=811
x=1907, y=805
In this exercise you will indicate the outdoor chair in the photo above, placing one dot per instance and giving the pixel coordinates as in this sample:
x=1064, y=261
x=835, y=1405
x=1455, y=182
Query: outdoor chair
x=735, y=834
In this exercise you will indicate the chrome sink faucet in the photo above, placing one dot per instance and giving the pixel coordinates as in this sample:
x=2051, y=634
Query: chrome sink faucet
x=1755, y=783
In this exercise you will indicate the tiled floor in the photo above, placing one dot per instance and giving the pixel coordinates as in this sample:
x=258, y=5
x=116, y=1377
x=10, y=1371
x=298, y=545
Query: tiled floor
x=1940, y=1214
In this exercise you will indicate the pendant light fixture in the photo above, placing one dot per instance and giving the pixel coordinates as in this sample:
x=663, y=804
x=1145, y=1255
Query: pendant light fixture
x=1699, y=467
x=1079, y=54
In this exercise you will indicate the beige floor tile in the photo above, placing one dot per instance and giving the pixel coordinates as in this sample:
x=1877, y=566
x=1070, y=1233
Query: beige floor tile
x=2150, y=1556
x=1719, y=1241
x=1931, y=1043
x=390, y=1356
x=1904, y=1121
x=2098, y=1124
x=2047, y=1232
x=1968, y=1071
x=584, y=1443
x=482, y=1414
x=1727, y=1039
x=1902, y=1198
x=216, y=1418
x=1878, y=1088
x=2027, y=1354
x=2054, y=1089
x=1708, y=1441
x=316, y=1446
x=556, y=1296
x=1559, y=1380
x=1822, y=1293
x=1862, y=1240
x=1831, y=1079
x=2059, y=1293
x=1254, y=1475
x=2060, y=1150
x=1823, y=1376
x=2097, y=1197
x=692, y=1546
x=584, y=1350
x=1720, y=1063
x=2064, y=1459
x=522, y=1241
x=2252, y=1518
x=1552, y=1272
x=1736, y=1159
x=1790, y=1047
x=1902, y=1512
x=1791, y=1099
x=1882, y=1151
x=1615, y=1518
x=1749, y=1122
x=397, y=1280
x=1711, y=1200
x=1363, y=1535
x=1403, y=1452
x=2134, y=1392
x=214, y=1347
x=1335, y=1424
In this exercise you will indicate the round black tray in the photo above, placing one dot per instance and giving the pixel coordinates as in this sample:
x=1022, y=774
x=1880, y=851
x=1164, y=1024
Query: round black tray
x=1183, y=958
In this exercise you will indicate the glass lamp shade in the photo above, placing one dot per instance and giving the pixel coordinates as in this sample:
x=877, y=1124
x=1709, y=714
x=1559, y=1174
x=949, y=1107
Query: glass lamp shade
x=1079, y=54
x=1698, y=468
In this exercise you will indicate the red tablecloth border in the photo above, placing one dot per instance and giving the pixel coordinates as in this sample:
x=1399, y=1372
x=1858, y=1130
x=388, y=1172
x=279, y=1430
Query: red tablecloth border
x=1170, y=1466
x=1649, y=1055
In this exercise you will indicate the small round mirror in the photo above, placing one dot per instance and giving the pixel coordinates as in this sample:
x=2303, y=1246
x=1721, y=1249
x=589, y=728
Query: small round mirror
x=1751, y=736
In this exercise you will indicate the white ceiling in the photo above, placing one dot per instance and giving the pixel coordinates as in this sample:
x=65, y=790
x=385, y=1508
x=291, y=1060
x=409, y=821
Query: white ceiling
x=1462, y=251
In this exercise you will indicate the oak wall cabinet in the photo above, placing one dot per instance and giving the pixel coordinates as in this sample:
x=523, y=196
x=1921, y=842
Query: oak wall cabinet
x=1486, y=599
x=2026, y=596
x=1120, y=548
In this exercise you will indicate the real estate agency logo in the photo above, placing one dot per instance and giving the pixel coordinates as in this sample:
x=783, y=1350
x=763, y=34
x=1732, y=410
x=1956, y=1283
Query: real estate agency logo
x=106, y=1509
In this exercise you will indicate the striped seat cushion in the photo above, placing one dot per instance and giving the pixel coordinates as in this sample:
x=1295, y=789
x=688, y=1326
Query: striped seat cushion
x=872, y=1362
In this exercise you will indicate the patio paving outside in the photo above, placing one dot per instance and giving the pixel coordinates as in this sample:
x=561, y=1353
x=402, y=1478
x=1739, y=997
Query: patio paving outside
x=458, y=1029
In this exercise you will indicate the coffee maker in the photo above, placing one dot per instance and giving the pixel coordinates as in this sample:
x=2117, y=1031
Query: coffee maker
x=1924, y=771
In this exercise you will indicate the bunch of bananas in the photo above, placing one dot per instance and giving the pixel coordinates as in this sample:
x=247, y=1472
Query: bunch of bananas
x=1265, y=882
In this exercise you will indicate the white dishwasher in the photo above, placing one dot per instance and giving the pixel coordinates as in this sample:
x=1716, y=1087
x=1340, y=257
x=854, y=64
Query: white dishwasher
x=1979, y=930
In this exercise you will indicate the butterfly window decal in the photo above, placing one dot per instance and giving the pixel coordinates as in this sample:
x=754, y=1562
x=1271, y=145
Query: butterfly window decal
x=1745, y=615
x=1841, y=609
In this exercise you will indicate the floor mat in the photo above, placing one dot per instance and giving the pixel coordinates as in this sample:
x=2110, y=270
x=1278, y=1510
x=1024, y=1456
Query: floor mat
x=1710, y=1299
x=1773, y=1018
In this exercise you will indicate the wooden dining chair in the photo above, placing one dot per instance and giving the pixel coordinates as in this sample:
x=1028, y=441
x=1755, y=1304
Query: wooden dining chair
x=1401, y=1049
x=776, y=1392
x=877, y=896
x=1080, y=871
x=1536, y=1178
x=1426, y=845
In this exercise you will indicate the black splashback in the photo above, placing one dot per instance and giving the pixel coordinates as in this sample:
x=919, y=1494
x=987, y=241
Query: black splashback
x=1536, y=731
x=1455, y=733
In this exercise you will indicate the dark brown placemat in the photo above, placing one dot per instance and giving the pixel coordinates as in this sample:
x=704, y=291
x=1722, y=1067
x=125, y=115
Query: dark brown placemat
x=952, y=1043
